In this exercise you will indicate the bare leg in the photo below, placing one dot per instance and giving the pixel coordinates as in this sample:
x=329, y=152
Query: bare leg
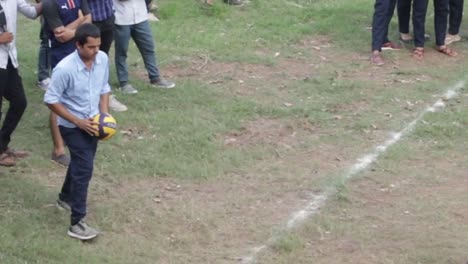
x=59, y=147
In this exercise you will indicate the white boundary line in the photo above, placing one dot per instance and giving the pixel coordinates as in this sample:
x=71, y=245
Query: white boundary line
x=314, y=205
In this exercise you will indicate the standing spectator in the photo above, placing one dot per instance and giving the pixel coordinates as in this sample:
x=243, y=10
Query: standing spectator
x=404, y=15
x=11, y=85
x=131, y=20
x=43, y=61
x=440, y=23
x=78, y=91
x=62, y=17
x=383, y=13
x=455, y=19
x=419, y=23
x=102, y=13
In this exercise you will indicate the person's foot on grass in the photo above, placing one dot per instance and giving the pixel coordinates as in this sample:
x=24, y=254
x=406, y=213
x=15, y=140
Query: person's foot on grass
x=82, y=231
x=449, y=39
x=376, y=58
x=60, y=159
x=447, y=51
x=406, y=37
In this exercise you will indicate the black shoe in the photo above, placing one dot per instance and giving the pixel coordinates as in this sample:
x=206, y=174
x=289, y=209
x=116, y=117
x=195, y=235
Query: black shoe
x=233, y=2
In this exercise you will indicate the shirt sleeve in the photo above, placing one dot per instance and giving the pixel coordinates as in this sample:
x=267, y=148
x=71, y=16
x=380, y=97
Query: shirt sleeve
x=51, y=14
x=27, y=9
x=56, y=87
x=105, y=86
x=85, y=7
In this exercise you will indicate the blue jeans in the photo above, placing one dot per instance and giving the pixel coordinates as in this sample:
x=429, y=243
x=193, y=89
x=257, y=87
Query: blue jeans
x=143, y=37
x=74, y=191
x=43, y=62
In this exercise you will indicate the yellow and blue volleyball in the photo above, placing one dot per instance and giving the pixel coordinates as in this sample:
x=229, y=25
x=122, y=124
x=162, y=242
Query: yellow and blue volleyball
x=107, y=126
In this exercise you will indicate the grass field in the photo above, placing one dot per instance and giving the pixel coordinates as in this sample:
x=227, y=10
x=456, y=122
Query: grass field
x=275, y=101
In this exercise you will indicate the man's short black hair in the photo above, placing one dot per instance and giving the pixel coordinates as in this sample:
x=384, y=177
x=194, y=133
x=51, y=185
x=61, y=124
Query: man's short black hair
x=84, y=31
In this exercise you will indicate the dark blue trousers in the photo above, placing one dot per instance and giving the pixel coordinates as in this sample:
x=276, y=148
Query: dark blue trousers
x=455, y=16
x=419, y=19
x=441, y=9
x=383, y=13
x=82, y=149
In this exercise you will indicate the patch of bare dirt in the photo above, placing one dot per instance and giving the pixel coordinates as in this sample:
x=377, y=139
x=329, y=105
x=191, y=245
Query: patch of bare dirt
x=288, y=68
x=269, y=132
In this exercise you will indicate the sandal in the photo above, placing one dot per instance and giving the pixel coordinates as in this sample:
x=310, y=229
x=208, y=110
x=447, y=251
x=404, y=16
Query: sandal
x=7, y=160
x=20, y=154
x=447, y=51
x=376, y=59
x=418, y=53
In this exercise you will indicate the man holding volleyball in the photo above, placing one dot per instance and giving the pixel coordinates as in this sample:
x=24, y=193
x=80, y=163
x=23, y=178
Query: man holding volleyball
x=78, y=91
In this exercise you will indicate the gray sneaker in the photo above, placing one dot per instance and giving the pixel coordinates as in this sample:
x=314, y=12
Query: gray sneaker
x=62, y=205
x=161, y=83
x=62, y=159
x=128, y=89
x=115, y=105
x=82, y=231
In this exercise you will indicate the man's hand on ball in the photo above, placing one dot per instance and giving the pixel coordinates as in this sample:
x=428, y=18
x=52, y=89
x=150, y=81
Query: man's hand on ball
x=88, y=125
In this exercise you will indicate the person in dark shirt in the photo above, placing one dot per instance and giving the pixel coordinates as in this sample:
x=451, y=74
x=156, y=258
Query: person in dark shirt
x=62, y=17
x=102, y=13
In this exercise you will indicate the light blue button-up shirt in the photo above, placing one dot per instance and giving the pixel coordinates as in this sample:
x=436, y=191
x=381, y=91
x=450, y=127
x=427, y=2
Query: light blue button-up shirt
x=78, y=88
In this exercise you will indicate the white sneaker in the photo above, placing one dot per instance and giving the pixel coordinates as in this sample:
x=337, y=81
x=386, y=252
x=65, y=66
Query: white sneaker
x=115, y=105
x=44, y=84
x=152, y=17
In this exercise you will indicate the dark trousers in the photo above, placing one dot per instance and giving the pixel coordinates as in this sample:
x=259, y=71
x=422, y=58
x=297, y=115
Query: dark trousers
x=148, y=2
x=43, y=62
x=74, y=191
x=383, y=13
x=404, y=14
x=455, y=16
x=440, y=20
x=11, y=88
x=107, y=33
x=419, y=19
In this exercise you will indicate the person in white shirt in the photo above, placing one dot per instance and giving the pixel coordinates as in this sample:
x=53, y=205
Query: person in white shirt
x=131, y=20
x=11, y=86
